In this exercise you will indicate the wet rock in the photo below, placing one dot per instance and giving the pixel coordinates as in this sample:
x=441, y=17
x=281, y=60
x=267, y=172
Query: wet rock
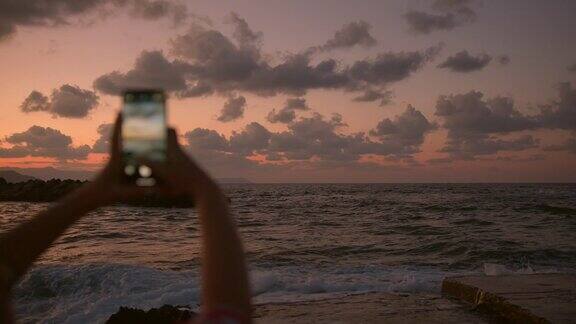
x=166, y=314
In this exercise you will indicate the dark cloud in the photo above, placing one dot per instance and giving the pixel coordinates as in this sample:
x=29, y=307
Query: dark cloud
x=468, y=148
x=281, y=116
x=461, y=7
x=151, y=70
x=391, y=67
x=530, y=158
x=464, y=62
x=470, y=114
x=206, y=139
x=315, y=140
x=243, y=34
x=407, y=130
x=472, y=121
x=569, y=146
x=157, y=9
x=421, y=22
x=210, y=62
x=68, y=101
x=296, y=104
x=39, y=141
x=356, y=33
x=102, y=144
x=35, y=13
x=288, y=113
x=450, y=14
x=503, y=59
x=253, y=138
x=233, y=109
x=370, y=95
x=561, y=113
x=35, y=101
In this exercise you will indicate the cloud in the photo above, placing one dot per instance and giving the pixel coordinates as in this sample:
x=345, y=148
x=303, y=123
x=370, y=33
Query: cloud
x=281, y=116
x=68, y=101
x=252, y=138
x=233, y=109
x=425, y=23
x=561, y=113
x=211, y=63
x=206, y=139
x=157, y=9
x=35, y=101
x=469, y=114
x=464, y=62
x=569, y=145
x=472, y=121
x=288, y=113
x=40, y=13
x=40, y=141
x=450, y=14
x=313, y=141
x=468, y=148
x=356, y=33
x=243, y=34
x=503, y=59
x=371, y=95
x=407, y=130
x=391, y=67
x=102, y=144
x=151, y=70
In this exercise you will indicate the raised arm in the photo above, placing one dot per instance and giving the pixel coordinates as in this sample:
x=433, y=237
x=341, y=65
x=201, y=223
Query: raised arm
x=224, y=275
x=22, y=246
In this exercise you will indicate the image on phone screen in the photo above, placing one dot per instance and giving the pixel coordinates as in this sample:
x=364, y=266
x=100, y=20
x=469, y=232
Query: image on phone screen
x=143, y=134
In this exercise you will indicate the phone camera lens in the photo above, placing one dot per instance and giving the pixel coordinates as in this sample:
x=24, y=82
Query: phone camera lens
x=145, y=171
x=129, y=170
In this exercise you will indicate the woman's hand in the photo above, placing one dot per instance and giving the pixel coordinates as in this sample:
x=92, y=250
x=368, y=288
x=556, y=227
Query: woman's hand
x=181, y=175
x=109, y=185
x=178, y=175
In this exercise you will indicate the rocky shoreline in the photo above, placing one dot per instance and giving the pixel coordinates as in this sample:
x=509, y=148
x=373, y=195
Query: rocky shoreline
x=532, y=298
x=52, y=190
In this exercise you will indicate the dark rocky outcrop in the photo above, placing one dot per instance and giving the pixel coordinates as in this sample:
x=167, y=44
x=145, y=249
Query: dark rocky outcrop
x=51, y=190
x=166, y=314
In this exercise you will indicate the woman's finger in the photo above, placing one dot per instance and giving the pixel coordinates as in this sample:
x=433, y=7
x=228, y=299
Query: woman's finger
x=116, y=145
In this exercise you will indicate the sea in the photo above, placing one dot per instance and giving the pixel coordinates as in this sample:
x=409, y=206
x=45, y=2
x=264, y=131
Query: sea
x=303, y=242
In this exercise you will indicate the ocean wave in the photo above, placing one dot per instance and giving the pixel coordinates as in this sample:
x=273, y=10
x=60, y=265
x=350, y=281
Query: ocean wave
x=90, y=293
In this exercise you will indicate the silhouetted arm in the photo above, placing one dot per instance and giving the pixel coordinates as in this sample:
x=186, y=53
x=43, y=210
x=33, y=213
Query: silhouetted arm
x=224, y=275
x=23, y=245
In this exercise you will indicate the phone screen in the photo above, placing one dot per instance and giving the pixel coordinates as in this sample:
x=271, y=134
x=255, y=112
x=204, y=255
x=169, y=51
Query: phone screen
x=143, y=134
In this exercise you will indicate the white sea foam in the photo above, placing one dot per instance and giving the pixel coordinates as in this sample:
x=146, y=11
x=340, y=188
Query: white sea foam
x=91, y=293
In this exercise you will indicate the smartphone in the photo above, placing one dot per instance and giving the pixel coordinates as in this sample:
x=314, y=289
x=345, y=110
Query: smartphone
x=143, y=134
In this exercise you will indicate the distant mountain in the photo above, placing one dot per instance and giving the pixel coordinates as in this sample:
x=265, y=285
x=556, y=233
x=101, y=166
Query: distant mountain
x=12, y=176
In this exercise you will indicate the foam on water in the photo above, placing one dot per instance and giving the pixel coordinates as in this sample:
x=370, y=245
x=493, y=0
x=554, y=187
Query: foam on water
x=90, y=293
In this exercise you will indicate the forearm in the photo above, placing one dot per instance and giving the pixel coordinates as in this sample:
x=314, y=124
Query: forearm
x=22, y=246
x=225, y=279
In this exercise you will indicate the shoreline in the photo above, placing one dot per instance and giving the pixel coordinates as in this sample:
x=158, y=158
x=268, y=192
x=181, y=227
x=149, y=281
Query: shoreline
x=533, y=298
x=371, y=307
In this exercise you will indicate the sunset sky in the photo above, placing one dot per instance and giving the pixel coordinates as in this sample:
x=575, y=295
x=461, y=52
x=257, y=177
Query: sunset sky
x=301, y=91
